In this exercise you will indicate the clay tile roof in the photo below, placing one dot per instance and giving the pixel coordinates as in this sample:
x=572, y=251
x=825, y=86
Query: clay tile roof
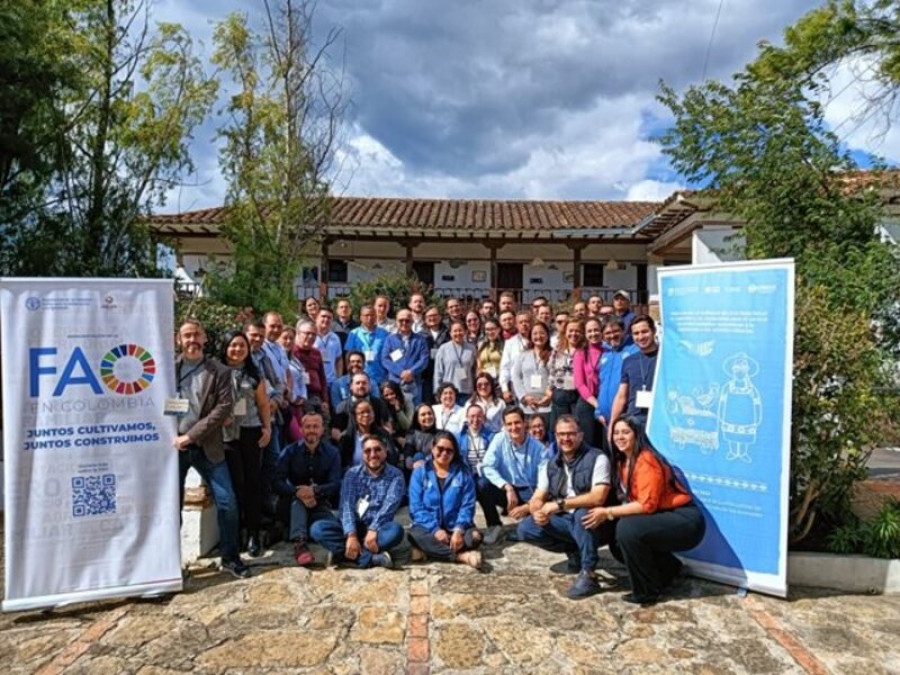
x=457, y=215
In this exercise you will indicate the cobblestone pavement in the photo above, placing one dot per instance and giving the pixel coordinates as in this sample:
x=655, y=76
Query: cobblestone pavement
x=442, y=618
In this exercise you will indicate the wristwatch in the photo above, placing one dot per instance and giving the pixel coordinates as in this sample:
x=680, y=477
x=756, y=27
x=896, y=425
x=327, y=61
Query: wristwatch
x=561, y=503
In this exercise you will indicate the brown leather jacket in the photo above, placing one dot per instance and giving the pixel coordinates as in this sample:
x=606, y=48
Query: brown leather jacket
x=216, y=403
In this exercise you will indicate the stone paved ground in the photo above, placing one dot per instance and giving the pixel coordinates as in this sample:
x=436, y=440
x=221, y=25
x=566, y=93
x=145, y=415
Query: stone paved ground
x=450, y=619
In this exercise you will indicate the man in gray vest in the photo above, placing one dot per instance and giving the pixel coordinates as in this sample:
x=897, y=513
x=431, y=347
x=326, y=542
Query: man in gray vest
x=576, y=480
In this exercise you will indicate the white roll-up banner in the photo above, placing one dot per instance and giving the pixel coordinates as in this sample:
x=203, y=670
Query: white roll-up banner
x=91, y=478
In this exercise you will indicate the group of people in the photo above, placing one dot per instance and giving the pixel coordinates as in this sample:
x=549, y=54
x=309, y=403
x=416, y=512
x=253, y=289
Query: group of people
x=333, y=424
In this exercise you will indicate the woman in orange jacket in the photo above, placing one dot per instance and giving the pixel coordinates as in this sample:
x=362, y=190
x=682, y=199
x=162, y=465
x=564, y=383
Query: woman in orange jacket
x=657, y=516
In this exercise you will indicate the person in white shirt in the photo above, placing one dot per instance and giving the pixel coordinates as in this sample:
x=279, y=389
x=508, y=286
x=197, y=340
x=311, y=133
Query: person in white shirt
x=513, y=346
x=448, y=415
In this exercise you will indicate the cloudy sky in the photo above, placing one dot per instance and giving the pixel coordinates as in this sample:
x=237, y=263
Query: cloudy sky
x=517, y=99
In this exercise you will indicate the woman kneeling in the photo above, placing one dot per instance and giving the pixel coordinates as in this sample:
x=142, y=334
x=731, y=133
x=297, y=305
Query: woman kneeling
x=442, y=506
x=658, y=515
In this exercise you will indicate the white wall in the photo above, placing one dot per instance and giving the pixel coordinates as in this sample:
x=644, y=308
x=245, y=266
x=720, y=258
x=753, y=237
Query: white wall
x=717, y=243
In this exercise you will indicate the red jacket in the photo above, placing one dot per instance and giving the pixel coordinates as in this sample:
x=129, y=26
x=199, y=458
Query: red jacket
x=312, y=361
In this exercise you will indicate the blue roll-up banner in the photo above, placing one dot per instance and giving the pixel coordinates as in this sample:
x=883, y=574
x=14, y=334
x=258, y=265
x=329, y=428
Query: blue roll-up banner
x=721, y=411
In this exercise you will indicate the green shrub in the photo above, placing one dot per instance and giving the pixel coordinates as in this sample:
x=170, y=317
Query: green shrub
x=878, y=537
x=216, y=317
x=398, y=287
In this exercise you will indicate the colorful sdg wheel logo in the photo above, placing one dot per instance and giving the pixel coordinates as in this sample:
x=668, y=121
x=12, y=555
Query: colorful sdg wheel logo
x=127, y=369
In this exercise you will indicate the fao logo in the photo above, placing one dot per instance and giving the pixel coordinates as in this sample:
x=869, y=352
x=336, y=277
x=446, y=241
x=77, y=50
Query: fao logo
x=32, y=303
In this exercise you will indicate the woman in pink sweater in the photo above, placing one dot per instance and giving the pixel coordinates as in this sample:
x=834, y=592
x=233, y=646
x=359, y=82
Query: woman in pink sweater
x=587, y=380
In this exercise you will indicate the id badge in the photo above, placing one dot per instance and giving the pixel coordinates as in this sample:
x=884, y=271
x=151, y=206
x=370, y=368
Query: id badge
x=369, y=354
x=396, y=355
x=362, y=505
x=240, y=407
x=644, y=399
x=305, y=378
x=176, y=406
x=536, y=382
x=462, y=373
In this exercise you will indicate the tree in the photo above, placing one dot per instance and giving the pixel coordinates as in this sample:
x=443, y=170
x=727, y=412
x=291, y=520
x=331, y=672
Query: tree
x=115, y=142
x=279, y=136
x=762, y=149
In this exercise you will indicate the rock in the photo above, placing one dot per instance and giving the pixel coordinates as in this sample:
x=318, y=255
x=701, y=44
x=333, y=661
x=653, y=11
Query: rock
x=380, y=661
x=378, y=626
x=523, y=643
x=34, y=651
x=135, y=631
x=640, y=651
x=100, y=665
x=454, y=605
x=459, y=646
x=273, y=648
x=331, y=617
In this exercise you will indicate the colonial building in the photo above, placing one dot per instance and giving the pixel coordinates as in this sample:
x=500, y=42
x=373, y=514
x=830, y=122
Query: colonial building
x=476, y=249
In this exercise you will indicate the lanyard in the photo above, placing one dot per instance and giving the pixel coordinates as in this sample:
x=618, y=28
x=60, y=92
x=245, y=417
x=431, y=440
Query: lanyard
x=523, y=468
x=182, y=378
x=644, y=359
x=459, y=353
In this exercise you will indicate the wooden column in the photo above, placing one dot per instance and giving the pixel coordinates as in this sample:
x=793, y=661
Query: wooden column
x=493, y=247
x=577, y=248
x=323, y=271
x=409, y=257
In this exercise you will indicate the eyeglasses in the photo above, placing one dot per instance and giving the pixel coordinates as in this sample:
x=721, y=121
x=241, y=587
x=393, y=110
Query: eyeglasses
x=373, y=450
x=443, y=450
x=483, y=383
x=404, y=320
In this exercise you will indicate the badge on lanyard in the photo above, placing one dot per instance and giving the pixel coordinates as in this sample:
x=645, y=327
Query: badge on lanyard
x=644, y=398
x=362, y=505
x=397, y=354
x=176, y=406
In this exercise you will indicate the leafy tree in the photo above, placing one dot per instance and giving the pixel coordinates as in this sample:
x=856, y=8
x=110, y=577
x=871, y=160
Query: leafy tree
x=111, y=139
x=280, y=130
x=761, y=147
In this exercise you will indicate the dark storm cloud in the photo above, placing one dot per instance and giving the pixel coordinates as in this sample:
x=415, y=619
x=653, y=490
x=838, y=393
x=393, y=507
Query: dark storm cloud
x=452, y=86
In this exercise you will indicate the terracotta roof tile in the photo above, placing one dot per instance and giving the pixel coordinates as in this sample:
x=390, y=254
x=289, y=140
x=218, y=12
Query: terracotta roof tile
x=443, y=214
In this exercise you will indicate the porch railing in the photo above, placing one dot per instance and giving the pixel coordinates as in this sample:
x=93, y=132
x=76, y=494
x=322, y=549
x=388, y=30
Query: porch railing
x=471, y=297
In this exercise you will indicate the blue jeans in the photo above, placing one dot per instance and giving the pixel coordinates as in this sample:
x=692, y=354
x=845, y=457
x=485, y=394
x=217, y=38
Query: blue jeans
x=302, y=517
x=412, y=390
x=219, y=480
x=270, y=455
x=564, y=533
x=330, y=534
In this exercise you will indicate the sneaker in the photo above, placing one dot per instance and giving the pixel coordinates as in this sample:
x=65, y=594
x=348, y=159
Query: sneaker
x=417, y=555
x=382, y=559
x=254, y=545
x=584, y=586
x=471, y=558
x=236, y=568
x=493, y=534
x=303, y=555
x=573, y=564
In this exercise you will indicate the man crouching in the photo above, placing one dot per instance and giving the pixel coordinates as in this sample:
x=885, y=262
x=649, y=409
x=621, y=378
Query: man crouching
x=575, y=480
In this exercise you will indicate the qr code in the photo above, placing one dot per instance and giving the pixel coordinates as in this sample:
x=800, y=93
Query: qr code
x=93, y=495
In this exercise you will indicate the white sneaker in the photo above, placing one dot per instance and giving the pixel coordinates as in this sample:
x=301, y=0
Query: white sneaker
x=493, y=534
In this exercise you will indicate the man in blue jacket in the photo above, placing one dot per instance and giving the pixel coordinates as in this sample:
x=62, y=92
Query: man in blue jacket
x=474, y=441
x=369, y=339
x=512, y=463
x=370, y=496
x=575, y=481
x=404, y=356
x=309, y=474
x=614, y=352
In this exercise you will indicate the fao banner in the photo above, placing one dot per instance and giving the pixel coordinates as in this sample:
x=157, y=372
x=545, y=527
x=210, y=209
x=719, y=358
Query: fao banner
x=721, y=411
x=91, y=479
